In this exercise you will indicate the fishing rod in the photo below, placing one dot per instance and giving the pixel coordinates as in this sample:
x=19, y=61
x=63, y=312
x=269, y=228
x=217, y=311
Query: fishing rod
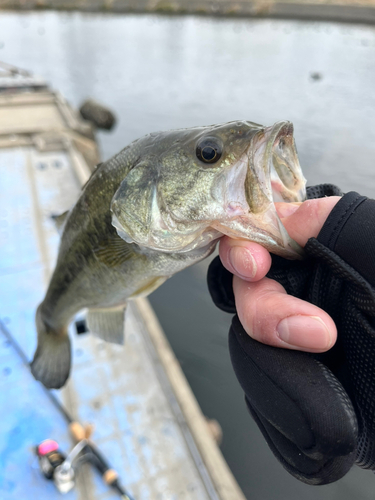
x=55, y=464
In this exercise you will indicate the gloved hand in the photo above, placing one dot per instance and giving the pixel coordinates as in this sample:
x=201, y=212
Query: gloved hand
x=317, y=410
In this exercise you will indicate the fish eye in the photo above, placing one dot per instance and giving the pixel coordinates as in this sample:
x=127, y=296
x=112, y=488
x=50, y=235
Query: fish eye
x=209, y=150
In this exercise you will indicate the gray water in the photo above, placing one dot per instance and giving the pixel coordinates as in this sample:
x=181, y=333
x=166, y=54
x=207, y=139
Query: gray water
x=167, y=72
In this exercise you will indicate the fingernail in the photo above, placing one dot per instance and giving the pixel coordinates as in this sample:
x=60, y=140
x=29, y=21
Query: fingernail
x=242, y=262
x=286, y=209
x=309, y=332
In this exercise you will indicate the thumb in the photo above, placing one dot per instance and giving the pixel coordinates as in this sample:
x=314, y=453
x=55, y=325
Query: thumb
x=305, y=220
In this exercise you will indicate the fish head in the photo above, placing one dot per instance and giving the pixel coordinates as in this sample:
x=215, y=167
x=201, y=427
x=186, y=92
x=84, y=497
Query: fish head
x=190, y=187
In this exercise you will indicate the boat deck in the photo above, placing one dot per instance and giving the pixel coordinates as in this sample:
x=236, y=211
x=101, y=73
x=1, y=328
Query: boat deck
x=147, y=422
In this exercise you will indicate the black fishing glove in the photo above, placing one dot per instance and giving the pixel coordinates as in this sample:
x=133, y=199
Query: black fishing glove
x=317, y=411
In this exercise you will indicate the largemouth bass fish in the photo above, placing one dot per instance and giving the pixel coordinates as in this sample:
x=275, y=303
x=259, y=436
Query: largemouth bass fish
x=157, y=207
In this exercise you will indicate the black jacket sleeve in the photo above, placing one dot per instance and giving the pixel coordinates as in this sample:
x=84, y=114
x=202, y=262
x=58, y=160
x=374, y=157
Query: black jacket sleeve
x=317, y=411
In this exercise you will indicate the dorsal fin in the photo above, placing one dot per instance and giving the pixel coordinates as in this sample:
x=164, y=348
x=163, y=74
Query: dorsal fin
x=59, y=220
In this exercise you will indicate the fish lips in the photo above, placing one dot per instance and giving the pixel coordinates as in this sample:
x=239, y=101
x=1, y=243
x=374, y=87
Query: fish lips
x=269, y=172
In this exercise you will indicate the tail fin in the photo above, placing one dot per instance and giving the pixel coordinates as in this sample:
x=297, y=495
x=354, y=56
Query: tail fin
x=51, y=363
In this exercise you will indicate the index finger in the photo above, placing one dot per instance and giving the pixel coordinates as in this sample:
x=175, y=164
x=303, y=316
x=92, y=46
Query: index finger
x=251, y=262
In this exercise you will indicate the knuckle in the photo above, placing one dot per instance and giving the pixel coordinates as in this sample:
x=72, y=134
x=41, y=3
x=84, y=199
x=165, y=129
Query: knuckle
x=260, y=314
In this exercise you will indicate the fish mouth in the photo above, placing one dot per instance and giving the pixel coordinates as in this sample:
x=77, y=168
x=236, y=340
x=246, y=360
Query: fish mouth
x=273, y=174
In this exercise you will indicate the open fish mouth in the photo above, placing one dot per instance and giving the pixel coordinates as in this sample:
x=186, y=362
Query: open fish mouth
x=269, y=172
x=236, y=199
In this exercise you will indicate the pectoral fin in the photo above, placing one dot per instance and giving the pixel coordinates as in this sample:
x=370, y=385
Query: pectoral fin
x=115, y=251
x=107, y=324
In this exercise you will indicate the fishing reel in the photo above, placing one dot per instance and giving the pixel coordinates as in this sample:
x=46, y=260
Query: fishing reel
x=61, y=468
x=57, y=466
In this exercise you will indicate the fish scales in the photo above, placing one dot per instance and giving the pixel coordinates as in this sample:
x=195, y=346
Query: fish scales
x=155, y=208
